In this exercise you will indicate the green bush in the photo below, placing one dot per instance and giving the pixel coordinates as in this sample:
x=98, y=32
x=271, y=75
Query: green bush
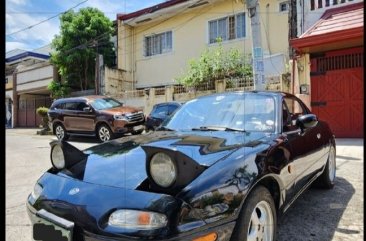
x=215, y=64
x=58, y=89
x=42, y=112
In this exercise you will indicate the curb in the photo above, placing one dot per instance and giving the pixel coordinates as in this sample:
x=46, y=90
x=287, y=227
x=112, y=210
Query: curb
x=44, y=132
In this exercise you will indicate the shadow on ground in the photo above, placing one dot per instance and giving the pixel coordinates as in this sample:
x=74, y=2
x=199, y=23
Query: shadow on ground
x=315, y=215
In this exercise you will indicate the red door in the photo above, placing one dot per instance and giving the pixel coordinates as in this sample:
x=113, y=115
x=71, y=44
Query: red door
x=337, y=97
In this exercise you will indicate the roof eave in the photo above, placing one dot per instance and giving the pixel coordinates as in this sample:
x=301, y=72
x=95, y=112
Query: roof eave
x=326, y=38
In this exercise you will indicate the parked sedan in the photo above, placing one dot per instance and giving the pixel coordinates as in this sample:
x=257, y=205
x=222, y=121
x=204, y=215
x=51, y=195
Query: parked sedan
x=223, y=167
x=159, y=113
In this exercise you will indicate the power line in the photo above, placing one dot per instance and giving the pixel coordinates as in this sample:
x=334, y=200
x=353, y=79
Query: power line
x=29, y=27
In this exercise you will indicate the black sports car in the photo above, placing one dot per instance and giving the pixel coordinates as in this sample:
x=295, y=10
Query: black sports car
x=224, y=167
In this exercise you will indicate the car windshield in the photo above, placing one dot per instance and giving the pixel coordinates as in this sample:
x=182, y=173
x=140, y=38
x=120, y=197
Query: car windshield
x=227, y=112
x=105, y=103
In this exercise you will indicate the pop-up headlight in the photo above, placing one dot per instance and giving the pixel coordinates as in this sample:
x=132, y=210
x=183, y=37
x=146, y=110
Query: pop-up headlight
x=64, y=155
x=169, y=170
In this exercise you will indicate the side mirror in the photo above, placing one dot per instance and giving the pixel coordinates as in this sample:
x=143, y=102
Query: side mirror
x=87, y=109
x=306, y=121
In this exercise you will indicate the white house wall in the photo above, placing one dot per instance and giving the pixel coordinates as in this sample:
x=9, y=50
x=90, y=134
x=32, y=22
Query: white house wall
x=41, y=84
x=35, y=75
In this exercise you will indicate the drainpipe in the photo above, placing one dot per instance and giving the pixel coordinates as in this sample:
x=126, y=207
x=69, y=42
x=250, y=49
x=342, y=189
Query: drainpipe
x=133, y=58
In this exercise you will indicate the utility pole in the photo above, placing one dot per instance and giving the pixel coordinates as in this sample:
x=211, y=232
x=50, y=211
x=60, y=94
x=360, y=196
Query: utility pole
x=257, y=50
x=96, y=83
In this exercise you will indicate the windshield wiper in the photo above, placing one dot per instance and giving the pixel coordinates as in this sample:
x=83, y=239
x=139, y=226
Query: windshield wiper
x=216, y=128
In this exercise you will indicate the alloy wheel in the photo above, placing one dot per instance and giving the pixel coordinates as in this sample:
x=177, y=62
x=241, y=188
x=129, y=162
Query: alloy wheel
x=60, y=132
x=261, y=223
x=332, y=164
x=104, y=133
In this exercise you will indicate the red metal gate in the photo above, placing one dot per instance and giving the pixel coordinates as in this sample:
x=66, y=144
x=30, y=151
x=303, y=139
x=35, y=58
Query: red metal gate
x=337, y=91
x=27, y=116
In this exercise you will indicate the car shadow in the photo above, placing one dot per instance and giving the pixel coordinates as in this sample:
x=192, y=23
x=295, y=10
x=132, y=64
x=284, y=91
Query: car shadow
x=316, y=213
x=92, y=139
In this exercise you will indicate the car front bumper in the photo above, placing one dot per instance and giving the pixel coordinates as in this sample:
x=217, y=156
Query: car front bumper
x=47, y=226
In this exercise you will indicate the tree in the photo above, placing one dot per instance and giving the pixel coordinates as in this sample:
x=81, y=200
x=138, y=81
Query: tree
x=216, y=63
x=82, y=36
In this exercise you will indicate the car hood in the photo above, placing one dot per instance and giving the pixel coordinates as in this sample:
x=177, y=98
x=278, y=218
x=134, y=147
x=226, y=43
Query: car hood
x=121, y=110
x=122, y=162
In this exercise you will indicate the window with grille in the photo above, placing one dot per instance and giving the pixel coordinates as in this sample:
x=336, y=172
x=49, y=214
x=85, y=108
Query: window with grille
x=317, y=4
x=158, y=44
x=284, y=6
x=227, y=28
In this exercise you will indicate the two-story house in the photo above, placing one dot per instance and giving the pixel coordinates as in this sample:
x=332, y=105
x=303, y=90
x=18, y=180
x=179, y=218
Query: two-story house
x=28, y=74
x=155, y=44
x=330, y=60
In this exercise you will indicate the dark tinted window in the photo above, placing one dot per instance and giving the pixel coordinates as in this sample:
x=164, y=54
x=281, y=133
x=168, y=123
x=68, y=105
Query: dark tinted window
x=160, y=111
x=172, y=108
x=59, y=106
x=71, y=105
x=81, y=106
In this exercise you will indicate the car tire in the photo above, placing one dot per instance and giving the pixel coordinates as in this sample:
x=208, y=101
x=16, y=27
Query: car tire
x=104, y=133
x=327, y=178
x=60, y=132
x=258, y=211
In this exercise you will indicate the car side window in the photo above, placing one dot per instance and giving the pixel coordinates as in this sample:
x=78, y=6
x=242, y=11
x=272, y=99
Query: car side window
x=160, y=112
x=71, y=105
x=81, y=106
x=171, y=109
x=294, y=110
x=59, y=106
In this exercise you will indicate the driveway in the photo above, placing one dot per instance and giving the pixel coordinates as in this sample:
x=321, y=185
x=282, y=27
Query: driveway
x=318, y=215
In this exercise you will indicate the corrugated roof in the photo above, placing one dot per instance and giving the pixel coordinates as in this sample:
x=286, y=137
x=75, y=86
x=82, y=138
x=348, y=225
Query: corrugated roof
x=338, y=27
x=337, y=19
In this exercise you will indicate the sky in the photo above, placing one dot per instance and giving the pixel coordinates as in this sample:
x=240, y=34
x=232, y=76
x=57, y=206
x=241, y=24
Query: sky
x=21, y=14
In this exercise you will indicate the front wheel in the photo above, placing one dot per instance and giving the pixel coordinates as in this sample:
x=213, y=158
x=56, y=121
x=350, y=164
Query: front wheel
x=104, y=133
x=60, y=132
x=257, y=220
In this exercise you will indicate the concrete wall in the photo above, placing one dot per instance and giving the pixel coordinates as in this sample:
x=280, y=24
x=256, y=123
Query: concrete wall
x=35, y=77
x=146, y=99
x=190, y=39
x=115, y=81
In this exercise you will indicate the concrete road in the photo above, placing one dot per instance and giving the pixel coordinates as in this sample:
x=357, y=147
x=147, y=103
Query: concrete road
x=318, y=215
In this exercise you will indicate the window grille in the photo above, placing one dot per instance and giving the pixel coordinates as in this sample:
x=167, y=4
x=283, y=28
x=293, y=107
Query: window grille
x=158, y=43
x=227, y=28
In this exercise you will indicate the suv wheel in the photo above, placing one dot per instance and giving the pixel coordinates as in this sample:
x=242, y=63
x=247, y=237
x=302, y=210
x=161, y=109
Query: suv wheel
x=60, y=132
x=104, y=133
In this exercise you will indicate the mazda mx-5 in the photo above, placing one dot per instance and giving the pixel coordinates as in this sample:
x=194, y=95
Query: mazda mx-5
x=223, y=167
